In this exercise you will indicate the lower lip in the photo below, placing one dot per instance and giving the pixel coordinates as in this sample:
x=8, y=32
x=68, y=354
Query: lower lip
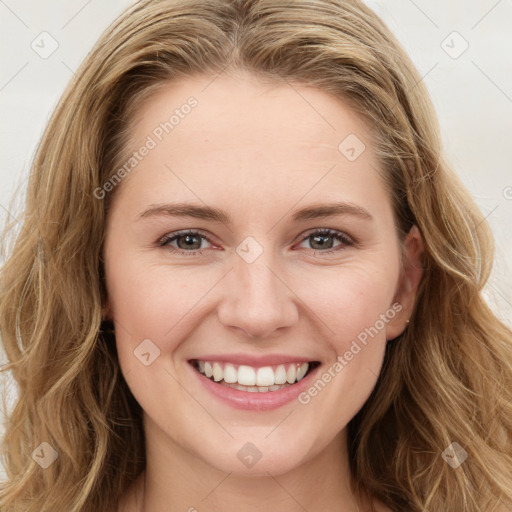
x=256, y=401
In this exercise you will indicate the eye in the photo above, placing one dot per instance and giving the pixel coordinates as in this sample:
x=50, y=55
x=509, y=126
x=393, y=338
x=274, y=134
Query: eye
x=190, y=242
x=187, y=242
x=324, y=240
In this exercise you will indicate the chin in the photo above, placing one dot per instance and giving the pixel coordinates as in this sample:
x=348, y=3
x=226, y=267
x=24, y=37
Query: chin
x=260, y=457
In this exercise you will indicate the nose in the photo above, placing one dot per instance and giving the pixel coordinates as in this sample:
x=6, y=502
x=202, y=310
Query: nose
x=257, y=299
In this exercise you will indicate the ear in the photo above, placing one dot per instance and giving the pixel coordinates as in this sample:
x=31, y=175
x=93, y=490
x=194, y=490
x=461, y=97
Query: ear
x=410, y=277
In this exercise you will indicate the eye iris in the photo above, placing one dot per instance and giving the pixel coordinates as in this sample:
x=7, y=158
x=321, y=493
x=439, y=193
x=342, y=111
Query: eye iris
x=191, y=241
x=320, y=240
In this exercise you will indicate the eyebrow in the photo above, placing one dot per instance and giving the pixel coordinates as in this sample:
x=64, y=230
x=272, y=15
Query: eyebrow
x=315, y=211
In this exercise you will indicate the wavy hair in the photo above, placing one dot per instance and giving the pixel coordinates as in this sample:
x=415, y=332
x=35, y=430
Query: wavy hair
x=447, y=378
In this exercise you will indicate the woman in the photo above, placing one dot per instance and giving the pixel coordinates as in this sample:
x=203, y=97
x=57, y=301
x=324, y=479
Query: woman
x=190, y=332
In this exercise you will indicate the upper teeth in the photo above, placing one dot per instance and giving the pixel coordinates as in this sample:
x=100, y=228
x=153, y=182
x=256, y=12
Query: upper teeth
x=249, y=376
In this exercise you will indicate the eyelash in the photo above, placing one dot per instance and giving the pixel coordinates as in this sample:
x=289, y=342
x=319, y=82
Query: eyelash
x=341, y=237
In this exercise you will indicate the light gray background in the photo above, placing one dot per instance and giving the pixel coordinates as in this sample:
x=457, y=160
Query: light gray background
x=472, y=93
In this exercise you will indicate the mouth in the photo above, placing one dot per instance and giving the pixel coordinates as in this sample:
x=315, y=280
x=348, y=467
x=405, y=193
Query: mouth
x=254, y=379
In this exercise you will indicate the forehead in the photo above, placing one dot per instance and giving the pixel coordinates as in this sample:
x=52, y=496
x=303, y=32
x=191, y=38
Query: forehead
x=238, y=136
x=245, y=112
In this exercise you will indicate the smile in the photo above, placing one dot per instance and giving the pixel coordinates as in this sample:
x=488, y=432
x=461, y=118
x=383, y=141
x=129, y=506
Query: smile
x=253, y=386
x=248, y=378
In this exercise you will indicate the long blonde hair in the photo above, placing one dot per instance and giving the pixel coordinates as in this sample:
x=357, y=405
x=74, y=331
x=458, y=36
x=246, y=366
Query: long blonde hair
x=447, y=379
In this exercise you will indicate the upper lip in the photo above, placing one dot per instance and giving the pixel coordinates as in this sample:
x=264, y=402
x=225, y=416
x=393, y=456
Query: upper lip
x=253, y=360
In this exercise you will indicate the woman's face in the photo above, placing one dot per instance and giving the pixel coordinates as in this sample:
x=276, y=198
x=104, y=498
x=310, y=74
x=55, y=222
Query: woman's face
x=292, y=257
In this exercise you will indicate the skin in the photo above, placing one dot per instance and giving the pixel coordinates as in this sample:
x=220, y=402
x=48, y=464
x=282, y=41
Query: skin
x=259, y=153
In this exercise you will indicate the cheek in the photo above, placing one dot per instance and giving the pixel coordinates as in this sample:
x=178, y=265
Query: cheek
x=351, y=300
x=150, y=301
x=354, y=305
x=153, y=302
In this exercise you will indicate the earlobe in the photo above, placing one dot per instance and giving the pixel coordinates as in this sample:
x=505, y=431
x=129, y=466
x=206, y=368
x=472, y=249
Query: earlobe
x=410, y=278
